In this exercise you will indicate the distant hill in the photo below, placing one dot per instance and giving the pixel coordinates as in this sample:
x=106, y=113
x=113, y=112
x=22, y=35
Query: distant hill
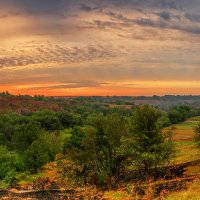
x=25, y=106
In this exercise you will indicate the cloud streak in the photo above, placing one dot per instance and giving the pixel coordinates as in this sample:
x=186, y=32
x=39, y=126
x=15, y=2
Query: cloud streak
x=56, y=54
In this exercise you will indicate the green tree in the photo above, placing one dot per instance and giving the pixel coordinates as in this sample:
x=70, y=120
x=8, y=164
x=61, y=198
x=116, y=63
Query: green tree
x=197, y=135
x=152, y=147
x=25, y=134
x=49, y=120
x=42, y=151
x=36, y=156
x=68, y=119
x=175, y=116
x=100, y=148
x=7, y=127
x=9, y=162
x=164, y=120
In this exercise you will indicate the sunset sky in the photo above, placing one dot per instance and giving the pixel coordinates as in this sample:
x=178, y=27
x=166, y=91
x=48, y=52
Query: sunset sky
x=100, y=47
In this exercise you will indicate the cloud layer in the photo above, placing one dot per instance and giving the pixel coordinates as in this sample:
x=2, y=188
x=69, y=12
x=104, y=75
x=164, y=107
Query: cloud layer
x=99, y=47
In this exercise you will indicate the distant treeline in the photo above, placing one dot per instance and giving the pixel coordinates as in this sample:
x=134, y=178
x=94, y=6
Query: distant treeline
x=113, y=99
x=110, y=98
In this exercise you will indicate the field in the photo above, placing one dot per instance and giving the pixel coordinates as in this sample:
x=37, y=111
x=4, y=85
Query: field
x=183, y=136
x=185, y=130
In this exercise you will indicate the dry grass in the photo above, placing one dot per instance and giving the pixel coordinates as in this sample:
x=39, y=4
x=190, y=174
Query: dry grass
x=185, y=130
x=116, y=195
x=183, y=135
x=192, y=193
x=186, y=151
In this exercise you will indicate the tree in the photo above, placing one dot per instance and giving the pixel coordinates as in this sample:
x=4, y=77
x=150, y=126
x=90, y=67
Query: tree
x=164, y=120
x=175, y=116
x=36, y=156
x=25, y=134
x=197, y=135
x=9, y=162
x=42, y=151
x=68, y=119
x=152, y=147
x=101, y=148
x=49, y=120
x=7, y=127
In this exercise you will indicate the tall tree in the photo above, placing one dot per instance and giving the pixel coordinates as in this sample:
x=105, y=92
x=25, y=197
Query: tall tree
x=152, y=147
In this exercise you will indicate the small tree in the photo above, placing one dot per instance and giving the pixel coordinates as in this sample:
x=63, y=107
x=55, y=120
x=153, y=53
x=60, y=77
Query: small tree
x=197, y=135
x=175, y=116
x=152, y=147
x=41, y=151
x=25, y=134
x=36, y=156
x=9, y=163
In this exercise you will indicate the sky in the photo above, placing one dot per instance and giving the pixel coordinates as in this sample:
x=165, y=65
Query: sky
x=100, y=47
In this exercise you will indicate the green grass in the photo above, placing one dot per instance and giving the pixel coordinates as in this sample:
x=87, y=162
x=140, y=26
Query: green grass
x=25, y=178
x=183, y=136
x=195, y=118
x=3, y=185
x=186, y=151
x=189, y=124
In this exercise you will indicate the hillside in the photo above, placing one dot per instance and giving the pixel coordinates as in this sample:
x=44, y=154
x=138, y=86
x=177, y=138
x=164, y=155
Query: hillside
x=23, y=105
x=51, y=147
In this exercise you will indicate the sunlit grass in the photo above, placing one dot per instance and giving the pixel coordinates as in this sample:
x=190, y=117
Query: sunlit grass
x=183, y=137
x=3, y=185
x=25, y=178
x=116, y=195
x=195, y=118
x=186, y=151
x=192, y=193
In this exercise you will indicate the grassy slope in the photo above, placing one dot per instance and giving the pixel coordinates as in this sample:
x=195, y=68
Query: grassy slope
x=192, y=193
x=183, y=136
x=186, y=151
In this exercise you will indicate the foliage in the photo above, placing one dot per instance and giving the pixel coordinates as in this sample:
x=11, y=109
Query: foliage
x=151, y=147
x=25, y=134
x=175, y=116
x=197, y=135
x=49, y=120
x=68, y=119
x=36, y=156
x=9, y=162
x=10, y=180
x=99, y=148
x=99, y=138
x=42, y=151
x=181, y=113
